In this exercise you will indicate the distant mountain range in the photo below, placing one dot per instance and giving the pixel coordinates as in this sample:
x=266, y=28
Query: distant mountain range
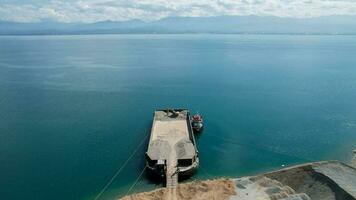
x=219, y=24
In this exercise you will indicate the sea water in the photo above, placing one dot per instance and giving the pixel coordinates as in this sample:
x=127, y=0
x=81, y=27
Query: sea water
x=73, y=109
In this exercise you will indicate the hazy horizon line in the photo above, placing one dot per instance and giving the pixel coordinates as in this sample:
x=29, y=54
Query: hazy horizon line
x=182, y=17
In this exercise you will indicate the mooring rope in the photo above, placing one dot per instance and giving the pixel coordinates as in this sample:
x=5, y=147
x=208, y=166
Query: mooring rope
x=120, y=169
x=136, y=181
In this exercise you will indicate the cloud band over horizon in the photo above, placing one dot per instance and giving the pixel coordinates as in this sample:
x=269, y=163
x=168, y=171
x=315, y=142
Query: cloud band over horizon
x=149, y=10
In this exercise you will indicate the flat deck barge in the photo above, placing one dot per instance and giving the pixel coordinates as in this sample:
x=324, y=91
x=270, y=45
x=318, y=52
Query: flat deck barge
x=172, y=150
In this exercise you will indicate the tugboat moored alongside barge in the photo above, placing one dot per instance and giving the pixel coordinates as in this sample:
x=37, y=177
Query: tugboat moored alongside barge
x=197, y=123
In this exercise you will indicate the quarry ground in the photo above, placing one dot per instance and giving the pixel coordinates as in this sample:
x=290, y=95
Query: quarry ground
x=329, y=180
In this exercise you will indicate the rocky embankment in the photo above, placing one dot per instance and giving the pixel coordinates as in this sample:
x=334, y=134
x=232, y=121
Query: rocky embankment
x=330, y=180
x=353, y=161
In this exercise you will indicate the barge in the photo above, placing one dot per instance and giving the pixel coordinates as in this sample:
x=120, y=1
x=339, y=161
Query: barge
x=172, y=149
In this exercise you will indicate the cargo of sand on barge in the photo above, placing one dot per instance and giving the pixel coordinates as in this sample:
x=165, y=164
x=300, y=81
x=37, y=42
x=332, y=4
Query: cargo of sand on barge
x=172, y=150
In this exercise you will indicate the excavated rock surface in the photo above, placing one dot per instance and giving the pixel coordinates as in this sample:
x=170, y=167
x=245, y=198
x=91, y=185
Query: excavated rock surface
x=331, y=180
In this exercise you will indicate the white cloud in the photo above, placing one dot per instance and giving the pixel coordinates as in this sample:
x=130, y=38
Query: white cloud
x=119, y=10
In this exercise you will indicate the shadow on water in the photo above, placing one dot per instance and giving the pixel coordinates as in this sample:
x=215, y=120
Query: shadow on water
x=197, y=134
x=152, y=179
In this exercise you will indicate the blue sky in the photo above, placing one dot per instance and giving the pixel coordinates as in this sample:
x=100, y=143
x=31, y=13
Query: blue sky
x=149, y=10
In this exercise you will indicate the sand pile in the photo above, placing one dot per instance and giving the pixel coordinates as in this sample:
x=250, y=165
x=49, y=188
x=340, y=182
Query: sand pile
x=220, y=189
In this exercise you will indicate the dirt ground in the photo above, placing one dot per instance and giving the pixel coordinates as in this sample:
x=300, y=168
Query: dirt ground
x=220, y=189
x=329, y=180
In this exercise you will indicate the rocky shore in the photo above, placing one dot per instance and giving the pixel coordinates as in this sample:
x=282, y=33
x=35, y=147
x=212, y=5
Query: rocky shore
x=329, y=180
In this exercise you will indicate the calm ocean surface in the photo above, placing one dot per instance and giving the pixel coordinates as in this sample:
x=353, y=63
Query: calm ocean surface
x=73, y=108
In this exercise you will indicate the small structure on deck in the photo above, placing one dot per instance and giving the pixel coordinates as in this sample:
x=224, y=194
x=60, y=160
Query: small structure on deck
x=172, y=150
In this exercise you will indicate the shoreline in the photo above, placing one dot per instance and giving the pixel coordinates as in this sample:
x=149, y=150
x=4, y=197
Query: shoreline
x=332, y=180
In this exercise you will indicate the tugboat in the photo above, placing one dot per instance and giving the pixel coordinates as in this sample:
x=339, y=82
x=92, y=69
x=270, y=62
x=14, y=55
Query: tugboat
x=197, y=123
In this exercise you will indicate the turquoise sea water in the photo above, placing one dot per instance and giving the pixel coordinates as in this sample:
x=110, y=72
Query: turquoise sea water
x=73, y=108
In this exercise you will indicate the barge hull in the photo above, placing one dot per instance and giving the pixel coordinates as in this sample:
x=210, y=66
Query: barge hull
x=172, y=149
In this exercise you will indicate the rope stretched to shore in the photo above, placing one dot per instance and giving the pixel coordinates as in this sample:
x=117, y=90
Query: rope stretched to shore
x=134, y=184
x=120, y=169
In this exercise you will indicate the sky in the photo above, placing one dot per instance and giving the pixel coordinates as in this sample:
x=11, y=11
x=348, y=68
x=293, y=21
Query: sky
x=149, y=10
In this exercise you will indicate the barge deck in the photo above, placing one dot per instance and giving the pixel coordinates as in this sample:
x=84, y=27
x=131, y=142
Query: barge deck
x=172, y=150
